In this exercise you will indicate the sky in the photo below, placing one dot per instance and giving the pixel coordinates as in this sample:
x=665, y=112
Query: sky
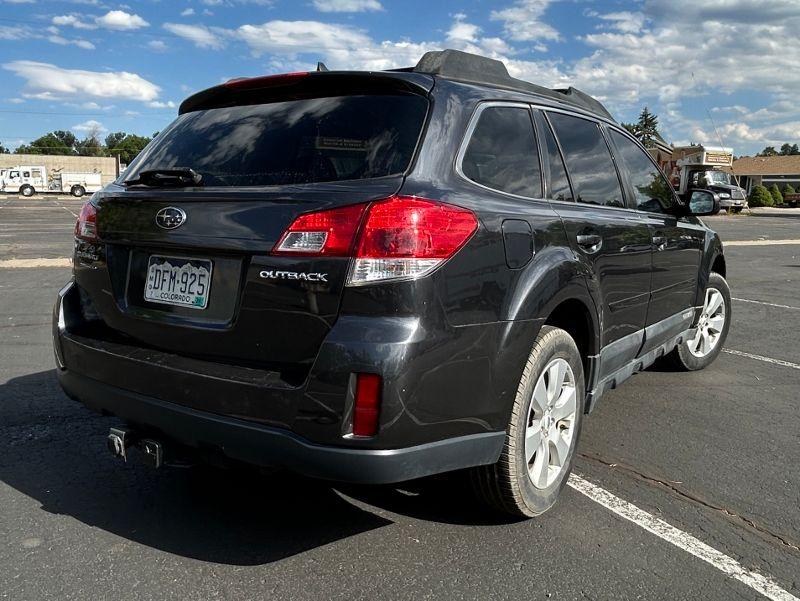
x=712, y=70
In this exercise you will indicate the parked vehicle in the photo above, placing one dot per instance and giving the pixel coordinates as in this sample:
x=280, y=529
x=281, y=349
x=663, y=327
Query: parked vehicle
x=698, y=167
x=30, y=179
x=377, y=276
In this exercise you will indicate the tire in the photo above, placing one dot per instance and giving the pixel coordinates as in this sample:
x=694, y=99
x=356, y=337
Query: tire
x=691, y=355
x=736, y=209
x=78, y=191
x=508, y=485
x=27, y=191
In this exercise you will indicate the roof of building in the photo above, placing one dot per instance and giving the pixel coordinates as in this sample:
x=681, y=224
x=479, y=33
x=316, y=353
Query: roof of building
x=777, y=165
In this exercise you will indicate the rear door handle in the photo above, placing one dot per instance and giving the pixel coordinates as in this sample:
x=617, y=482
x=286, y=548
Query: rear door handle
x=589, y=242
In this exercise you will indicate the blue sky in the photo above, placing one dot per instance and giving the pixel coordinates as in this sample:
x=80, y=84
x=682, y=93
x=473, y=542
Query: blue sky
x=92, y=65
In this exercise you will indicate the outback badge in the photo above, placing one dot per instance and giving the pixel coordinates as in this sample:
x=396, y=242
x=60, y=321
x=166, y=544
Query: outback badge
x=293, y=275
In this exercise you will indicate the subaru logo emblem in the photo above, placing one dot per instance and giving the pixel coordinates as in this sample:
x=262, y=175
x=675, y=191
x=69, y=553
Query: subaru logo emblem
x=170, y=217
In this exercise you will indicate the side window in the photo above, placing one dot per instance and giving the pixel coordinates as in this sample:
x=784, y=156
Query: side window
x=588, y=160
x=652, y=190
x=36, y=173
x=502, y=152
x=14, y=174
x=26, y=174
x=559, y=183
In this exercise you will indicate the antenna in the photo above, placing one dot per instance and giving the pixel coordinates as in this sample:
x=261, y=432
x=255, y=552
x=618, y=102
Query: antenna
x=721, y=143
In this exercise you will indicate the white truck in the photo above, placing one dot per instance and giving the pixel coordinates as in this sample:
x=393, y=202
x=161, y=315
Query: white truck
x=704, y=167
x=30, y=179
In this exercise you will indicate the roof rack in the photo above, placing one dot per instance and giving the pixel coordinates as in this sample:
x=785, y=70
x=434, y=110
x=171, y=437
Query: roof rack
x=473, y=68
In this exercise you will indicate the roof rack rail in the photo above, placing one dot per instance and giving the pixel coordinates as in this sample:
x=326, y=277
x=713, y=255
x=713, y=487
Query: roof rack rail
x=473, y=68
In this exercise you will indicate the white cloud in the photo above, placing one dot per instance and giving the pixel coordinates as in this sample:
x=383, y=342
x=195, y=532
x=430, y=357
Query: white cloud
x=157, y=104
x=200, y=35
x=57, y=39
x=46, y=81
x=522, y=21
x=72, y=21
x=116, y=20
x=625, y=21
x=89, y=127
x=347, y=6
x=461, y=31
x=157, y=46
x=9, y=33
x=119, y=20
x=188, y=12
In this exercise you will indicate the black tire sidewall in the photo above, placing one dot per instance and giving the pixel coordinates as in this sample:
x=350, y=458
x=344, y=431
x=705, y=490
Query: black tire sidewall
x=78, y=191
x=540, y=500
x=27, y=191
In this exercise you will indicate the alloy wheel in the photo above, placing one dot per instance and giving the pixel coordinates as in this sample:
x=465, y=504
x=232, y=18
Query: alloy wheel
x=550, y=430
x=710, y=325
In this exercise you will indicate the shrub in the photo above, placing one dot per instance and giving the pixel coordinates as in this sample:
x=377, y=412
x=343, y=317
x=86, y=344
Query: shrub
x=776, y=194
x=788, y=189
x=760, y=197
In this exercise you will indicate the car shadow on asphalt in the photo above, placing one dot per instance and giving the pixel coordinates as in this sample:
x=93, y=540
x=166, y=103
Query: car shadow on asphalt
x=53, y=450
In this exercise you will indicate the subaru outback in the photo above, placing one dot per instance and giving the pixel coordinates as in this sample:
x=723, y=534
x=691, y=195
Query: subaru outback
x=373, y=277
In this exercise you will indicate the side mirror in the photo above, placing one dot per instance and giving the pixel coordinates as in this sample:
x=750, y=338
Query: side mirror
x=703, y=202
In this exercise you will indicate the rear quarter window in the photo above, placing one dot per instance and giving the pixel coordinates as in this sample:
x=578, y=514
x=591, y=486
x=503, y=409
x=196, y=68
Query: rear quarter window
x=293, y=142
x=502, y=154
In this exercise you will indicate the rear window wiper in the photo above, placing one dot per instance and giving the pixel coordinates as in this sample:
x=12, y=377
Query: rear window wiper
x=175, y=176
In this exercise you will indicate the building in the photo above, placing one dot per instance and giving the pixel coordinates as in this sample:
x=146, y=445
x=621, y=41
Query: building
x=108, y=167
x=765, y=171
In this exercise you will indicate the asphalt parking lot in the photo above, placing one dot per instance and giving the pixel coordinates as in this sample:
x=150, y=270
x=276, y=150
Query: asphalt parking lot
x=714, y=454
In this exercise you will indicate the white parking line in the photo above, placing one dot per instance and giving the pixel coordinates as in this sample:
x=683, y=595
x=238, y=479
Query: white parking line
x=727, y=565
x=760, y=242
x=747, y=300
x=731, y=351
x=28, y=263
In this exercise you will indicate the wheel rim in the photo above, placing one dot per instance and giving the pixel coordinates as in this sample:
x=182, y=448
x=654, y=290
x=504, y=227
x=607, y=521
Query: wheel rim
x=710, y=325
x=550, y=430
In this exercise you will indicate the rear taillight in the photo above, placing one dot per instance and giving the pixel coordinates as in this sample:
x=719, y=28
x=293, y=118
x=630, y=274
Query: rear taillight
x=86, y=227
x=401, y=237
x=407, y=237
x=329, y=233
x=367, y=405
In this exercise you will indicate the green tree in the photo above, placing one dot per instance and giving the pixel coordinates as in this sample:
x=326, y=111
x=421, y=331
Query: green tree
x=633, y=128
x=769, y=151
x=127, y=146
x=789, y=149
x=4, y=150
x=647, y=128
x=788, y=189
x=57, y=142
x=760, y=197
x=775, y=192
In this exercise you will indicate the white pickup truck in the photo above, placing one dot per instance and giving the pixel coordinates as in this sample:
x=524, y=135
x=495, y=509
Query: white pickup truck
x=30, y=179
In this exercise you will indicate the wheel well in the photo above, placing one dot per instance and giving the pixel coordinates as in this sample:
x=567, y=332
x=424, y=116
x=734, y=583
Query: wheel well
x=719, y=265
x=573, y=316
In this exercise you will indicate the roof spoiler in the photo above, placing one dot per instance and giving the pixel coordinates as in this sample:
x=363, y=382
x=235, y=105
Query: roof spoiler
x=473, y=68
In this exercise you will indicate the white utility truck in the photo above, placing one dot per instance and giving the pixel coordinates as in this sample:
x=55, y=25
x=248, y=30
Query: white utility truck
x=704, y=167
x=30, y=179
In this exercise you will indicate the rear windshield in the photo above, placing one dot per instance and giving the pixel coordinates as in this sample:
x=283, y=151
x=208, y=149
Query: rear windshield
x=294, y=142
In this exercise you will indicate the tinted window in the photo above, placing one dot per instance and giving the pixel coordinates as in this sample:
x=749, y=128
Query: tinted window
x=559, y=184
x=294, y=142
x=652, y=190
x=588, y=160
x=502, y=152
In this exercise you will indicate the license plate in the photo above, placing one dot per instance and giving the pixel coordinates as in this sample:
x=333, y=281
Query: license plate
x=178, y=281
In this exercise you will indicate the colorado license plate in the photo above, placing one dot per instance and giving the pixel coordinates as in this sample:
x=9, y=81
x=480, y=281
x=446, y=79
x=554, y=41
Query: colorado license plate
x=178, y=281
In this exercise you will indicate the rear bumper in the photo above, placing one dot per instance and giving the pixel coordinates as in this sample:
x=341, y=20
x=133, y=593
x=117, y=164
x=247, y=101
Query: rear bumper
x=257, y=444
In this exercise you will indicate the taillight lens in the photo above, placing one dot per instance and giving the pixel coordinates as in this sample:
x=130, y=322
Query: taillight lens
x=407, y=237
x=401, y=237
x=329, y=233
x=366, y=409
x=86, y=226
